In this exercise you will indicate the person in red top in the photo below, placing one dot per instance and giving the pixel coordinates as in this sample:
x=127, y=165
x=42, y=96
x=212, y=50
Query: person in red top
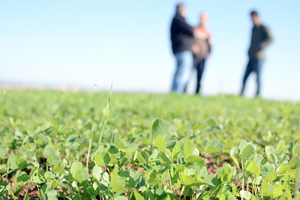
x=201, y=48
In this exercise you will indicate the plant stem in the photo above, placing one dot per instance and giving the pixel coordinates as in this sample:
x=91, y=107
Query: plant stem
x=89, y=151
x=78, y=192
x=181, y=191
x=170, y=180
x=215, y=190
x=104, y=118
x=8, y=173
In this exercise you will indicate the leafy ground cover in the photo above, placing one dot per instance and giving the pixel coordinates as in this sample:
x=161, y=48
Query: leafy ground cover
x=78, y=145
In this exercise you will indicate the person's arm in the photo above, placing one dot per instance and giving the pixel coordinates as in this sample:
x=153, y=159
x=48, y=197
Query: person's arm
x=209, y=41
x=186, y=28
x=268, y=38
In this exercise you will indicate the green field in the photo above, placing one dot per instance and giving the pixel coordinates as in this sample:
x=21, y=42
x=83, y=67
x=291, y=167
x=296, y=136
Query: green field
x=80, y=145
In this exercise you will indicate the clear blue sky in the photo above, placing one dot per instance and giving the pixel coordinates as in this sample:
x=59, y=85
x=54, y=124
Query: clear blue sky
x=92, y=42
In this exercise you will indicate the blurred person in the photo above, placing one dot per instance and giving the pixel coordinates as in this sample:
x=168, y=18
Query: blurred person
x=182, y=38
x=201, y=48
x=261, y=38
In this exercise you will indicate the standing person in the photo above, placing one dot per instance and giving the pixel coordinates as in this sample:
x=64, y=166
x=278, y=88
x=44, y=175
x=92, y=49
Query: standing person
x=260, y=39
x=182, y=38
x=201, y=48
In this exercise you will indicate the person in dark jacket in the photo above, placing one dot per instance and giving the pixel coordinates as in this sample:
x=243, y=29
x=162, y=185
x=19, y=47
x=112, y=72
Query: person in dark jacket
x=182, y=38
x=260, y=39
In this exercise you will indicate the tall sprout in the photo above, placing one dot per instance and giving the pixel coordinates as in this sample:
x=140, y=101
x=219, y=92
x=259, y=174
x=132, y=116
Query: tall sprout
x=105, y=112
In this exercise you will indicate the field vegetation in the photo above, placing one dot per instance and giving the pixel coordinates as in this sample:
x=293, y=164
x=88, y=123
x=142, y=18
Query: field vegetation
x=80, y=145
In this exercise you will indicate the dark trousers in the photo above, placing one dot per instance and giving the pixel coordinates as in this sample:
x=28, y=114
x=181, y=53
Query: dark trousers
x=254, y=65
x=199, y=64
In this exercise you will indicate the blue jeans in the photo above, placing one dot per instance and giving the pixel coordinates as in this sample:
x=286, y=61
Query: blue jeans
x=184, y=65
x=254, y=65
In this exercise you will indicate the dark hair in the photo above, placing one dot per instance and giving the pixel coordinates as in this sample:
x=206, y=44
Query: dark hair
x=254, y=13
x=180, y=7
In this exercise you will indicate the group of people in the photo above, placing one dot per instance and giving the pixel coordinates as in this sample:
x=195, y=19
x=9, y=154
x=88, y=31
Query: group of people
x=191, y=47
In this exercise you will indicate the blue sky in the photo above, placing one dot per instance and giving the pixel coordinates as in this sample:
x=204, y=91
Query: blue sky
x=88, y=43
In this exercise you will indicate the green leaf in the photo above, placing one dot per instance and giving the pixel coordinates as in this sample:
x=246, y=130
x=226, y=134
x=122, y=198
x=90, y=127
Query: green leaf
x=283, y=168
x=73, y=145
x=277, y=192
x=142, y=157
x=154, y=154
x=203, y=173
x=164, y=159
x=49, y=176
x=125, y=174
x=81, y=175
x=266, y=169
x=21, y=162
x=235, y=161
x=131, y=148
x=296, y=148
x=246, y=149
x=97, y=172
x=161, y=127
x=116, y=137
x=23, y=178
x=273, y=158
x=253, y=168
x=265, y=189
x=58, y=169
x=71, y=138
x=269, y=151
x=106, y=159
x=170, y=144
x=51, y=195
x=190, y=181
x=115, y=185
x=257, y=158
x=2, y=168
x=137, y=195
x=11, y=162
x=272, y=176
x=245, y=194
x=230, y=197
x=226, y=174
x=3, y=151
x=281, y=146
x=11, y=121
x=48, y=150
x=175, y=152
x=113, y=159
x=120, y=144
x=75, y=167
x=188, y=148
x=294, y=162
x=214, y=146
x=160, y=142
x=131, y=183
x=52, y=160
x=29, y=146
x=88, y=125
x=98, y=159
x=195, y=159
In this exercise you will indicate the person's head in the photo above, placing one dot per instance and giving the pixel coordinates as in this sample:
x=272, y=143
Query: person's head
x=255, y=17
x=203, y=18
x=181, y=9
